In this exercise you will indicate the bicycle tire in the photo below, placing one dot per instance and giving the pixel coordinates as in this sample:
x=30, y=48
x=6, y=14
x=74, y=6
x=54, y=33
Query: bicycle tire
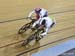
x=32, y=37
x=24, y=28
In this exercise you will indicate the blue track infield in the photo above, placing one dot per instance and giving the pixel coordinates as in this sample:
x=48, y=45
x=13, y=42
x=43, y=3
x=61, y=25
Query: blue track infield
x=57, y=50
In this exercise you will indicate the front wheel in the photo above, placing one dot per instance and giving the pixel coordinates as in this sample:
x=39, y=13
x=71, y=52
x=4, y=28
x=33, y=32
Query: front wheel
x=24, y=28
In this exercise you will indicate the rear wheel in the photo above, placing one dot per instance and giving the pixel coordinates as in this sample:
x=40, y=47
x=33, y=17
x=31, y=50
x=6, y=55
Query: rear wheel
x=37, y=38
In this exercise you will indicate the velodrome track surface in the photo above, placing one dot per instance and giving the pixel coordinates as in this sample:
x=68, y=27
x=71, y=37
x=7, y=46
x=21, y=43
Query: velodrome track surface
x=10, y=41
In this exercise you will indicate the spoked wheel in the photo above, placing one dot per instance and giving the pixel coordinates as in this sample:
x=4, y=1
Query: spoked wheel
x=32, y=37
x=37, y=34
x=24, y=28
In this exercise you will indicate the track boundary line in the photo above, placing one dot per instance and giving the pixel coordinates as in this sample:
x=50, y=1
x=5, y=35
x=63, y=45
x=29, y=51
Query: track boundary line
x=44, y=45
x=49, y=33
x=26, y=17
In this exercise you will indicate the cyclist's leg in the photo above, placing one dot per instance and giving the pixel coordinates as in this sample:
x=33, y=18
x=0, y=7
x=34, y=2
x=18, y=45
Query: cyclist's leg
x=45, y=32
x=35, y=25
x=47, y=27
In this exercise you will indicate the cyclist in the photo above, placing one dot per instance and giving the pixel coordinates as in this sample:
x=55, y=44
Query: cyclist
x=40, y=13
x=42, y=20
x=47, y=23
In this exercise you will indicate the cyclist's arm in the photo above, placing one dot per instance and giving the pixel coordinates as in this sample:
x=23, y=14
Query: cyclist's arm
x=30, y=14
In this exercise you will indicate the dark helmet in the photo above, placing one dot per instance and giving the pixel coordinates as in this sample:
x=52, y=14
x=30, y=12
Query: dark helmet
x=37, y=10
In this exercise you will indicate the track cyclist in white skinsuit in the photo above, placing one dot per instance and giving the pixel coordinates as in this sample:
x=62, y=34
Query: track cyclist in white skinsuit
x=43, y=20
